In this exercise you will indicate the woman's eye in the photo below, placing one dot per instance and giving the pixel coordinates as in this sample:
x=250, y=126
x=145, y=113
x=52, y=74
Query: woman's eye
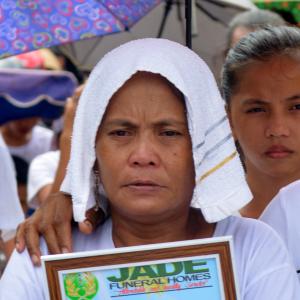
x=170, y=133
x=255, y=110
x=295, y=107
x=119, y=133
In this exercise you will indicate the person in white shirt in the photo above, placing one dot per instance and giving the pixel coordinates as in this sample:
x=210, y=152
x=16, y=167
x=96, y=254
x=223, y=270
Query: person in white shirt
x=282, y=214
x=41, y=176
x=154, y=140
x=10, y=209
x=261, y=87
x=47, y=170
x=25, y=140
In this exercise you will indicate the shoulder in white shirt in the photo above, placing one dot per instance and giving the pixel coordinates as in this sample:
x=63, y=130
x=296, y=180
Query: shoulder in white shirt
x=283, y=214
x=42, y=172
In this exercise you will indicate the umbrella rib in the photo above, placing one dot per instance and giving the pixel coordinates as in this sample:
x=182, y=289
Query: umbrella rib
x=90, y=50
x=168, y=6
x=120, y=20
x=214, y=18
x=215, y=3
x=72, y=47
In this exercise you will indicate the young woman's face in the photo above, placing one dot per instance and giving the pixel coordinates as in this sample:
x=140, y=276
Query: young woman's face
x=143, y=150
x=265, y=116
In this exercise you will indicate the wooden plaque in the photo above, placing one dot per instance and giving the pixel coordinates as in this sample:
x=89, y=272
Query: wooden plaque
x=195, y=269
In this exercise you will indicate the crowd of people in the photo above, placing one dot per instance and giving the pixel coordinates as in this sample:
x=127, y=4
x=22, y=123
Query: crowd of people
x=150, y=152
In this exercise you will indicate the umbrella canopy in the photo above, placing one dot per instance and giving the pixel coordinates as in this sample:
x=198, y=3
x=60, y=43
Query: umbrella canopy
x=290, y=10
x=209, y=21
x=30, y=25
x=34, y=93
x=209, y=30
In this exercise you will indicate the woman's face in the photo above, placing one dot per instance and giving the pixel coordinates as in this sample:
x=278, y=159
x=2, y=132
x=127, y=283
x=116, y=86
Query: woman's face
x=265, y=116
x=143, y=150
x=22, y=127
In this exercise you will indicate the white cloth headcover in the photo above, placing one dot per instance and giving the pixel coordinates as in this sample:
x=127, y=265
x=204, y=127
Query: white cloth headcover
x=221, y=188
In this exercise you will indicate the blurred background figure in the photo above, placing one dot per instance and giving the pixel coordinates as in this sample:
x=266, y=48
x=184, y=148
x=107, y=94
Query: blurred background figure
x=249, y=21
x=67, y=64
x=26, y=136
x=47, y=170
x=33, y=88
x=10, y=208
x=21, y=168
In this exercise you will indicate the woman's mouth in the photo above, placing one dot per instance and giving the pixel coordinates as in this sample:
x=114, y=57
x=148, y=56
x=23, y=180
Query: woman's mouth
x=143, y=186
x=278, y=151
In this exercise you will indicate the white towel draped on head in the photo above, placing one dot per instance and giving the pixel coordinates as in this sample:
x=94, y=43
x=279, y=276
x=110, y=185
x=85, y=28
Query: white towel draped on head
x=220, y=188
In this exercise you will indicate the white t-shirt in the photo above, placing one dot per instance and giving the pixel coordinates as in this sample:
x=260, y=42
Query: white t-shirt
x=40, y=142
x=264, y=270
x=11, y=213
x=283, y=214
x=42, y=172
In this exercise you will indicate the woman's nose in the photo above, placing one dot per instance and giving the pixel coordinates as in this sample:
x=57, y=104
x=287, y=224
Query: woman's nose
x=144, y=153
x=277, y=127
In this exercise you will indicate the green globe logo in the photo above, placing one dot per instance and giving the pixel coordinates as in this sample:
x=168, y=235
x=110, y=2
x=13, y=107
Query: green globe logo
x=81, y=286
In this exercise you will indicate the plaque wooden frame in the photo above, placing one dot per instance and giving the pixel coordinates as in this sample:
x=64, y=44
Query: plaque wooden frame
x=220, y=247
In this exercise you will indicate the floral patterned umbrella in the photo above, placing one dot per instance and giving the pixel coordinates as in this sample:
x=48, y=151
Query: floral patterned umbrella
x=289, y=9
x=27, y=25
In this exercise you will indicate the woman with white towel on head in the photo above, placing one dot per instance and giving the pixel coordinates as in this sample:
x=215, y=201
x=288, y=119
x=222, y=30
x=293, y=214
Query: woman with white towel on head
x=151, y=132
